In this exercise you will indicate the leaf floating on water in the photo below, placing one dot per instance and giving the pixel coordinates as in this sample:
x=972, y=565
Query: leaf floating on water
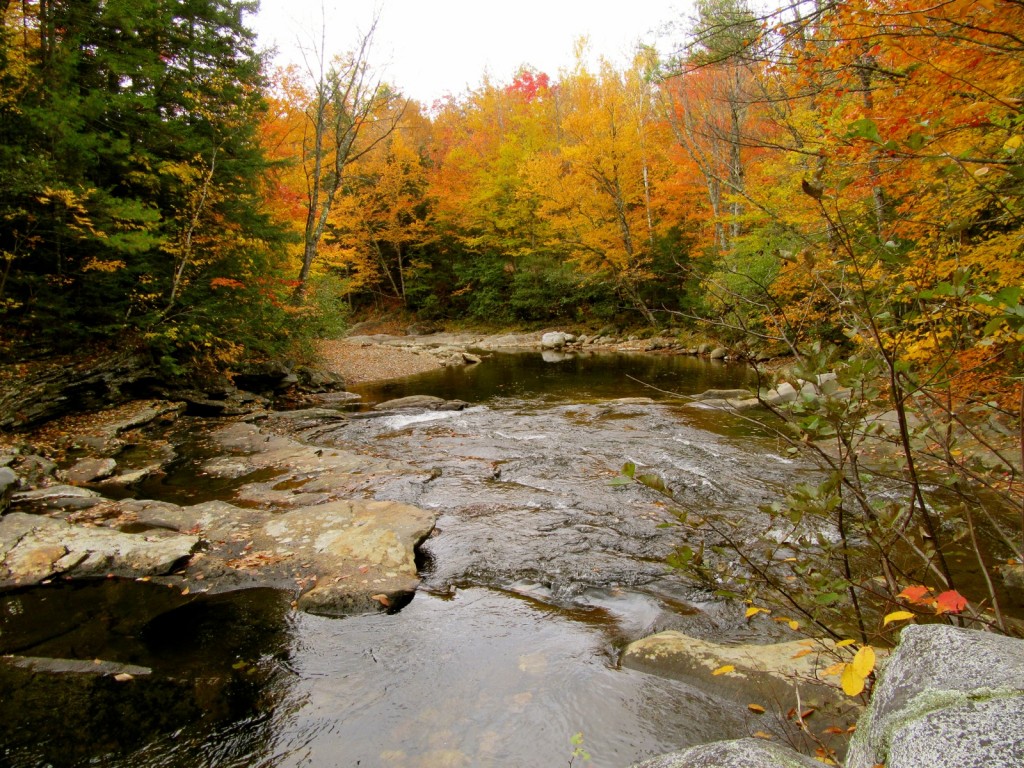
x=724, y=670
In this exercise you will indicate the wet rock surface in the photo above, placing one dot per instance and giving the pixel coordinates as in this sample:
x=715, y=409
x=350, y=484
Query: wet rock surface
x=293, y=526
x=35, y=549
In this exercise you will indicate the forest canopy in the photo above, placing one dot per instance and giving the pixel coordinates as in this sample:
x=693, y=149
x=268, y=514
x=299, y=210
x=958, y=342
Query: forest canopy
x=847, y=174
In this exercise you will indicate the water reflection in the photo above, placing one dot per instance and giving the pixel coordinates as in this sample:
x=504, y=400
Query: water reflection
x=105, y=668
x=570, y=378
x=481, y=679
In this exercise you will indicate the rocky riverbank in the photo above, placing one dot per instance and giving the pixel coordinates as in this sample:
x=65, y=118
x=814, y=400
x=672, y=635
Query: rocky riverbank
x=300, y=517
x=297, y=511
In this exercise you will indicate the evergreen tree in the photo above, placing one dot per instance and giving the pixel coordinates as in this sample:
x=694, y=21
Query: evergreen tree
x=132, y=170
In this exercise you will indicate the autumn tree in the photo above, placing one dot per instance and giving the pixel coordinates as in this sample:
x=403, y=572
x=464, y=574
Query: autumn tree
x=383, y=220
x=596, y=188
x=347, y=99
x=888, y=167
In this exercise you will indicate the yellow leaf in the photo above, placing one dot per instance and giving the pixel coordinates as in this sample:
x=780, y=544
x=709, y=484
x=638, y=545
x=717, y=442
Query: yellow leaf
x=835, y=669
x=801, y=654
x=853, y=684
x=756, y=708
x=864, y=661
x=844, y=643
x=794, y=625
x=724, y=670
x=897, y=616
x=753, y=611
x=1014, y=142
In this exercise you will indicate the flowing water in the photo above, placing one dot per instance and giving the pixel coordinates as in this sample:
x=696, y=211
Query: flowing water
x=538, y=574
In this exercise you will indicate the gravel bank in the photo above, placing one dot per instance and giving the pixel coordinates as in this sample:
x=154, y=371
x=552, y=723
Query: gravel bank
x=358, y=362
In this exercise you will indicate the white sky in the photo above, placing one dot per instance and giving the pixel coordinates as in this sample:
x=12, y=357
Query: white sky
x=429, y=48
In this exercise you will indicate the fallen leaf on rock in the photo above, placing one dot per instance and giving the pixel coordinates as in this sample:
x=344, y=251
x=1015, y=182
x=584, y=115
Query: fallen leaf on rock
x=382, y=599
x=724, y=670
x=254, y=560
x=756, y=708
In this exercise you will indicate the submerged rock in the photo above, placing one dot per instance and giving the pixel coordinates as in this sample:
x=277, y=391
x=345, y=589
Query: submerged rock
x=773, y=672
x=723, y=394
x=740, y=753
x=420, y=402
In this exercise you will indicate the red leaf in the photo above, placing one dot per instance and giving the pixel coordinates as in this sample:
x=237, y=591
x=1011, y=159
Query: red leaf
x=914, y=594
x=950, y=602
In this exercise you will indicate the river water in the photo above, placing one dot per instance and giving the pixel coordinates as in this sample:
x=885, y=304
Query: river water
x=539, y=572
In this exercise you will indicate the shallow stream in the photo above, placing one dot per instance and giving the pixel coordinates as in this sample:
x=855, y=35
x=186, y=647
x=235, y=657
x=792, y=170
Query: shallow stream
x=538, y=574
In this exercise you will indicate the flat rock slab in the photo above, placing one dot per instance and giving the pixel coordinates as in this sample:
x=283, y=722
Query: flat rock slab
x=739, y=753
x=363, y=552
x=34, y=549
x=946, y=691
x=57, y=497
x=90, y=470
x=341, y=557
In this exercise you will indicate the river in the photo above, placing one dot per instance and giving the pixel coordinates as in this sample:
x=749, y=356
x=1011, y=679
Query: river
x=538, y=574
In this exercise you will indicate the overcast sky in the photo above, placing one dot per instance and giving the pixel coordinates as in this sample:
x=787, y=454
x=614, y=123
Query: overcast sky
x=430, y=48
